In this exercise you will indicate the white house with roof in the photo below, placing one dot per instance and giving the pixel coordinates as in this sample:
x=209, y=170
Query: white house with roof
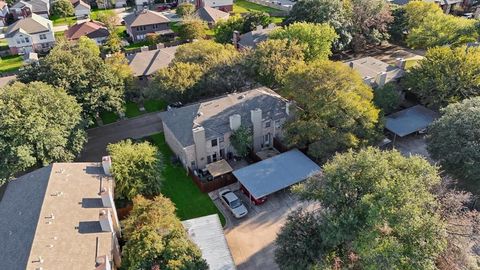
x=31, y=34
x=4, y=11
x=25, y=8
x=199, y=134
x=82, y=9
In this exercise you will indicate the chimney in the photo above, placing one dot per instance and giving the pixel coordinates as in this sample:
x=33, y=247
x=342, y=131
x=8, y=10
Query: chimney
x=259, y=27
x=200, y=146
x=256, y=118
x=105, y=221
x=107, y=165
x=144, y=49
x=102, y=263
x=107, y=201
x=236, y=38
x=235, y=121
x=400, y=63
x=381, y=79
x=160, y=46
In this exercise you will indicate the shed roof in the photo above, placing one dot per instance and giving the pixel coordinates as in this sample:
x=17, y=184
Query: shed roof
x=207, y=233
x=218, y=168
x=410, y=120
x=271, y=175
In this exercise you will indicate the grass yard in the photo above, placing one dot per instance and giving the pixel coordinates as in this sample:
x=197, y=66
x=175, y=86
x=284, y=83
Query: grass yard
x=132, y=110
x=59, y=34
x=152, y=105
x=108, y=117
x=410, y=63
x=11, y=63
x=243, y=6
x=57, y=20
x=3, y=45
x=137, y=45
x=181, y=189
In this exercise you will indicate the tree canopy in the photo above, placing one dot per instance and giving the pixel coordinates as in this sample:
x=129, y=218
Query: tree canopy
x=82, y=74
x=446, y=75
x=155, y=237
x=39, y=124
x=243, y=24
x=62, y=8
x=137, y=168
x=242, y=141
x=455, y=140
x=192, y=28
x=336, y=110
x=185, y=9
x=377, y=212
x=316, y=39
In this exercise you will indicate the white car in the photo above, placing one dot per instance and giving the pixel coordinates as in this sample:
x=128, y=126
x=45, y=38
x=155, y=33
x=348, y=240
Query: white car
x=233, y=203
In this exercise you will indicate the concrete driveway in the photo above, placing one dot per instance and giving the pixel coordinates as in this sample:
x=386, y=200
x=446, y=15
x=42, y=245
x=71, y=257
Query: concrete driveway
x=100, y=137
x=252, y=238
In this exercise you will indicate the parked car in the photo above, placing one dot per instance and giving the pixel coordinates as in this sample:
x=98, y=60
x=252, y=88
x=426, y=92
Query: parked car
x=233, y=203
x=163, y=8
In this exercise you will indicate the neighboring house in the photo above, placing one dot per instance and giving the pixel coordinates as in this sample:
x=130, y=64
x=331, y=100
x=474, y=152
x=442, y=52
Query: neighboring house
x=199, y=134
x=377, y=73
x=223, y=5
x=31, y=34
x=143, y=3
x=103, y=4
x=4, y=11
x=251, y=39
x=446, y=5
x=141, y=23
x=211, y=15
x=24, y=8
x=145, y=63
x=82, y=9
x=207, y=233
x=91, y=29
x=61, y=216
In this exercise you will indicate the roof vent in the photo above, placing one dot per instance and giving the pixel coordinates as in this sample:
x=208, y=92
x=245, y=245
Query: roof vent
x=199, y=114
x=241, y=96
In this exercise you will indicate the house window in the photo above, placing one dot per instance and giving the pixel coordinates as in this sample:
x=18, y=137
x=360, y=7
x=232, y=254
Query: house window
x=268, y=124
x=214, y=157
x=43, y=36
x=214, y=142
x=44, y=45
x=155, y=26
x=209, y=159
x=277, y=123
x=27, y=40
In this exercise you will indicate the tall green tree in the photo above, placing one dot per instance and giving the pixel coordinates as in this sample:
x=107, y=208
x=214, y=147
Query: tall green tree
x=455, y=139
x=336, y=110
x=185, y=9
x=253, y=19
x=137, y=168
x=62, y=8
x=387, y=98
x=156, y=239
x=224, y=29
x=270, y=61
x=242, y=141
x=192, y=28
x=39, y=124
x=417, y=11
x=82, y=74
x=206, y=53
x=316, y=39
x=378, y=212
x=446, y=75
x=88, y=45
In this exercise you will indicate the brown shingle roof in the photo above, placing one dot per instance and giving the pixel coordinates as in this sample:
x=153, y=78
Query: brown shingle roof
x=90, y=29
x=145, y=17
x=146, y=63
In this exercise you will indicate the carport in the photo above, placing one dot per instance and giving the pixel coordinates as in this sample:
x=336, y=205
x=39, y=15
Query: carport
x=274, y=174
x=410, y=120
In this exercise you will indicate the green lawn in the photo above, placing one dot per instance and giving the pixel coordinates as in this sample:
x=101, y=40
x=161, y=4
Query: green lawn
x=137, y=45
x=3, y=45
x=95, y=12
x=243, y=6
x=181, y=189
x=108, y=117
x=410, y=63
x=59, y=34
x=57, y=20
x=131, y=109
x=11, y=63
x=152, y=105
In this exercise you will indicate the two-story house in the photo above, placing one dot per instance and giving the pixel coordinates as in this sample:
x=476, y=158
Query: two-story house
x=223, y=5
x=61, y=216
x=25, y=8
x=31, y=34
x=199, y=134
x=141, y=23
x=4, y=11
x=82, y=9
x=91, y=29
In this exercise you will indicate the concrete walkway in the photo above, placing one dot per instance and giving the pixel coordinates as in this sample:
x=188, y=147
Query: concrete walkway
x=135, y=128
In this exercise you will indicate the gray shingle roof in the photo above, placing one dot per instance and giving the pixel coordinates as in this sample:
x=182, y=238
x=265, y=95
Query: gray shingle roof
x=212, y=15
x=252, y=38
x=29, y=25
x=145, y=17
x=214, y=115
x=147, y=63
x=38, y=6
x=369, y=67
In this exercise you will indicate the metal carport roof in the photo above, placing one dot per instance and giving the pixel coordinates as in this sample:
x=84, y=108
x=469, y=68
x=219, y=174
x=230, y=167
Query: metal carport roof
x=271, y=175
x=410, y=120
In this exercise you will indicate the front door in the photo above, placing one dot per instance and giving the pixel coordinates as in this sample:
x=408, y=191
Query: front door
x=222, y=153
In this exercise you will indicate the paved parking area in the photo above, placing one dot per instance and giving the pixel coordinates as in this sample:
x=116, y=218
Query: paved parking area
x=252, y=238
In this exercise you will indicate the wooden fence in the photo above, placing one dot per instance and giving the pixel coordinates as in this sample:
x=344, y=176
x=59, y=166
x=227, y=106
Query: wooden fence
x=216, y=183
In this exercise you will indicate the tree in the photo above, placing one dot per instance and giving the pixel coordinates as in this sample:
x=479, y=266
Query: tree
x=155, y=237
x=224, y=29
x=206, y=53
x=82, y=74
x=242, y=141
x=253, y=19
x=370, y=20
x=119, y=65
x=270, y=61
x=109, y=18
x=386, y=98
x=185, y=9
x=316, y=39
x=137, y=168
x=88, y=45
x=399, y=27
x=39, y=124
x=192, y=28
x=336, y=110
x=445, y=75
x=378, y=212
x=455, y=138
x=332, y=12
x=418, y=11
x=62, y=8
